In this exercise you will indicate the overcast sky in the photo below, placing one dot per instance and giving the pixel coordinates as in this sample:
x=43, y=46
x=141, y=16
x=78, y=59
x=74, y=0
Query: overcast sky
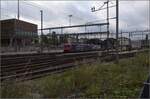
x=132, y=14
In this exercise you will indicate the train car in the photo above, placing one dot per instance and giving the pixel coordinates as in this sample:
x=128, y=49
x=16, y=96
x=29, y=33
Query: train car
x=69, y=47
x=77, y=47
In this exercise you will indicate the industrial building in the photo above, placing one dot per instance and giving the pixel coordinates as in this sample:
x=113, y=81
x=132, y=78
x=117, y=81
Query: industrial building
x=16, y=32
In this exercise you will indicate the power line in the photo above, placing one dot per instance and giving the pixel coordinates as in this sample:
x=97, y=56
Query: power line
x=38, y=6
x=99, y=20
x=18, y=8
x=33, y=4
x=61, y=12
x=13, y=12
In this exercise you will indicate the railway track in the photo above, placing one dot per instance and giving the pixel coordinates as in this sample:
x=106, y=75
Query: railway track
x=33, y=66
x=30, y=66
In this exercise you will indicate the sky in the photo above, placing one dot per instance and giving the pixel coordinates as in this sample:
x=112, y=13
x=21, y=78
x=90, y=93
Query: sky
x=133, y=15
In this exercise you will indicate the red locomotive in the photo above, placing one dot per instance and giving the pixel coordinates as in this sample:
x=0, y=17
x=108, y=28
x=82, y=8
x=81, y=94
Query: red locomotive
x=75, y=47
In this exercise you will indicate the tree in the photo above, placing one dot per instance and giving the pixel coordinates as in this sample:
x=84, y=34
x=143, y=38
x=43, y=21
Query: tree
x=45, y=40
x=109, y=43
x=95, y=41
x=35, y=40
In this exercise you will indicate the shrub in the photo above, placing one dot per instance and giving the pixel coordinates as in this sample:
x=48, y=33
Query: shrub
x=16, y=90
x=98, y=80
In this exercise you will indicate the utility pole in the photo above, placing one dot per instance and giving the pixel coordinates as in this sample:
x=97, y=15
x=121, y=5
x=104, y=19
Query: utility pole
x=41, y=43
x=70, y=20
x=117, y=29
x=101, y=8
x=18, y=10
x=129, y=41
x=107, y=2
x=121, y=41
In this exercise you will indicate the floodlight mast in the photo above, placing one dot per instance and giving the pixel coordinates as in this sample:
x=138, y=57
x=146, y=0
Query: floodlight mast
x=70, y=19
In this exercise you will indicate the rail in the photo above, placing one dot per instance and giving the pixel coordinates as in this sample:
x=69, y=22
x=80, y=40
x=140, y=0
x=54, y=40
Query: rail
x=34, y=67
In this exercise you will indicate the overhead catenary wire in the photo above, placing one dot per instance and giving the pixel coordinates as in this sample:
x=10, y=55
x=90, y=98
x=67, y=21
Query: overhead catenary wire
x=13, y=11
x=38, y=7
x=99, y=20
x=15, y=16
x=45, y=8
x=74, y=16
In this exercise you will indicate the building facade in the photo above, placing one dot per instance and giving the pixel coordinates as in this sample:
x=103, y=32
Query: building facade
x=17, y=32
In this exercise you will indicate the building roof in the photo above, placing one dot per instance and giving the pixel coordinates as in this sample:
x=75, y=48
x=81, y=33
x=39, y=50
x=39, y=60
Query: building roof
x=16, y=20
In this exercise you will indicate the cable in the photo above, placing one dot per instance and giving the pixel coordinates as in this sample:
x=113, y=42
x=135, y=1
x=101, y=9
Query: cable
x=33, y=4
x=101, y=6
x=22, y=14
x=100, y=20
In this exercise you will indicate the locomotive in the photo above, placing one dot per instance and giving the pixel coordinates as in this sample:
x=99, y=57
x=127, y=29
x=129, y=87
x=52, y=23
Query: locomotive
x=110, y=44
x=90, y=46
x=74, y=47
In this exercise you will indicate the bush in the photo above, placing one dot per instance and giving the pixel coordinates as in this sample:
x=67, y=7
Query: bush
x=15, y=90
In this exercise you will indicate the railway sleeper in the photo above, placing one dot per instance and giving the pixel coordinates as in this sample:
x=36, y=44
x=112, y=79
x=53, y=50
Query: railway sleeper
x=33, y=72
x=46, y=65
x=9, y=62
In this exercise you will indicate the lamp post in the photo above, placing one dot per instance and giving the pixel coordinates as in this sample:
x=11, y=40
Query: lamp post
x=70, y=19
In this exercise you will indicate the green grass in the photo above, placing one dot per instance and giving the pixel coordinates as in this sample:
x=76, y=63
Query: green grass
x=101, y=80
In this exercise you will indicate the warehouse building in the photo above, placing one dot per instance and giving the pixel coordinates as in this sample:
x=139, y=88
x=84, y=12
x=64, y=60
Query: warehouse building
x=16, y=32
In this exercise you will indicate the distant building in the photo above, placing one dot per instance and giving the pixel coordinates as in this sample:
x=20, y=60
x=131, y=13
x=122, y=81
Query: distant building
x=145, y=43
x=124, y=43
x=82, y=40
x=75, y=40
x=71, y=40
x=136, y=44
x=17, y=32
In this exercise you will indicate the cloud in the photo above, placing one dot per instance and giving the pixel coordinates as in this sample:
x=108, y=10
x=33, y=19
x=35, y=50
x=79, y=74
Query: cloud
x=132, y=15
